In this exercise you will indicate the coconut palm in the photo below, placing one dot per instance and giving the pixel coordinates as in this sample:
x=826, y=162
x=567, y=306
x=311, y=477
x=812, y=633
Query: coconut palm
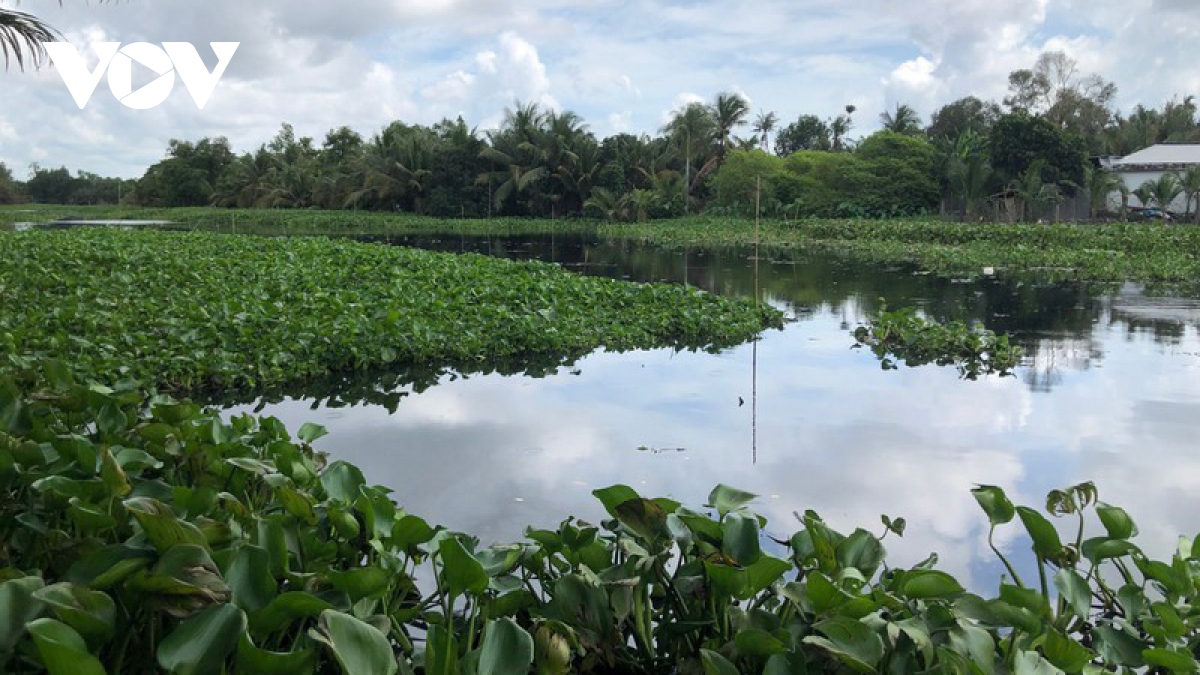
x=729, y=111
x=904, y=120
x=1163, y=191
x=968, y=170
x=1189, y=183
x=21, y=37
x=692, y=127
x=839, y=127
x=764, y=124
x=1100, y=183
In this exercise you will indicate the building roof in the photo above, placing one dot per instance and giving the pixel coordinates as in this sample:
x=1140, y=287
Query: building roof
x=1163, y=155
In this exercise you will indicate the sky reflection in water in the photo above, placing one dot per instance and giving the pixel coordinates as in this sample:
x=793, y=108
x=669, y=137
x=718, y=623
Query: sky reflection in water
x=1110, y=393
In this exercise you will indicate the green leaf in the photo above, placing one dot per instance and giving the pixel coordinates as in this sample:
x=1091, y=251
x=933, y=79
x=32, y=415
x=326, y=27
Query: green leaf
x=62, y=649
x=740, y=540
x=994, y=503
x=161, y=526
x=91, y=613
x=461, y=571
x=861, y=551
x=645, y=518
x=1118, y=647
x=1175, y=661
x=1075, y=589
x=1032, y=663
x=755, y=642
x=1116, y=521
x=411, y=531
x=251, y=659
x=763, y=573
x=507, y=649
x=725, y=499
x=362, y=582
x=249, y=578
x=342, y=482
x=18, y=606
x=201, y=644
x=922, y=584
x=310, y=432
x=441, y=651
x=614, y=496
x=1066, y=653
x=850, y=641
x=786, y=664
x=360, y=649
x=715, y=664
x=285, y=609
x=1046, y=542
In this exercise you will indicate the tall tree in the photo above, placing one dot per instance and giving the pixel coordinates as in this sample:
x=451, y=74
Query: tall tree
x=808, y=132
x=904, y=120
x=958, y=117
x=764, y=124
x=691, y=129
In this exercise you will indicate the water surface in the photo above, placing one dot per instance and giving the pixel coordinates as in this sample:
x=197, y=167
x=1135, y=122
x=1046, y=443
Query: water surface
x=1110, y=392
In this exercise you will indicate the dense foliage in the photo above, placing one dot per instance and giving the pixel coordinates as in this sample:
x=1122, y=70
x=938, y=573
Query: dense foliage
x=905, y=336
x=547, y=163
x=192, y=311
x=144, y=535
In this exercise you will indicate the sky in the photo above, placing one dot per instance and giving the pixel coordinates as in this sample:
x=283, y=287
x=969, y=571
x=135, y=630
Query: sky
x=623, y=65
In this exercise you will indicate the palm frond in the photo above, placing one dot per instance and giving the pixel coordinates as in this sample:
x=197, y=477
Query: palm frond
x=21, y=37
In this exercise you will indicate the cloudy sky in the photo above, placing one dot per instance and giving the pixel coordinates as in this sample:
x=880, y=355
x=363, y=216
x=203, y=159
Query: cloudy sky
x=622, y=64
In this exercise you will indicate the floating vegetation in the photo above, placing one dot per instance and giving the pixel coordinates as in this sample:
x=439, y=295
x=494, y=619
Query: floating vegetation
x=903, y=335
x=210, y=312
x=141, y=535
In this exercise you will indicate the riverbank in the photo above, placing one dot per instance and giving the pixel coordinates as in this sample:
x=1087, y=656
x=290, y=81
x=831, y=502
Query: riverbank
x=1111, y=252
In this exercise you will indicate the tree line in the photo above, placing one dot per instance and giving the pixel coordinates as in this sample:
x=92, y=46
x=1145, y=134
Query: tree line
x=1036, y=145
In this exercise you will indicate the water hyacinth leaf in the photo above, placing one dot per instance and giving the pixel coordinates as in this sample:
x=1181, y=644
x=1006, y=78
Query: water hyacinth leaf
x=974, y=643
x=715, y=664
x=359, y=647
x=994, y=503
x=18, y=605
x=251, y=659
x=740, y=540
x=1066, y=653
x=91, y=613
x=507, y=649
x=851, y=642
x=726, y=499
x=361, y=583
x=1076, y=590
x=1118, y=647
x=1032, y=663
x=786, y=664
x=161, y=525
x=614, y=496
x=1098, y=549
x=310, y=432
x=200, y=645
x=645, y=518
x=411, y=531
x=249, y=578
x=861, y=551
x=109, y=566
x=62, y=650
x=342, y=482
x=1116, y=521
x=286, y=608
x=1046, y=542
x=441, y=651
x=756, y=642
x=922, y=584
x=461, y=571
x=113, y=475
x=1172, y=660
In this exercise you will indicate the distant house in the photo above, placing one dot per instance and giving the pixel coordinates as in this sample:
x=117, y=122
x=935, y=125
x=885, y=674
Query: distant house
x=1151, y=163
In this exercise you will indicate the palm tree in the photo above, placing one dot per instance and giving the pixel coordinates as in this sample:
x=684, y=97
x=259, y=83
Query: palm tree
x=1100, y=184
x=1189, y=183
x=1029, y=188
x=968, y=170
x=21, y=33
x=904, y=120
x=840, y=126
x=691, y=126
x=764, y=124
x=729, y=111
x=1163, y=191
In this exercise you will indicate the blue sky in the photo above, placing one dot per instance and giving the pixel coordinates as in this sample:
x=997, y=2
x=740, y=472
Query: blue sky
x=622, y=64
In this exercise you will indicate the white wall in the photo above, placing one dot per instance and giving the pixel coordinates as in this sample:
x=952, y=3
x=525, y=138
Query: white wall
x=1133, y=180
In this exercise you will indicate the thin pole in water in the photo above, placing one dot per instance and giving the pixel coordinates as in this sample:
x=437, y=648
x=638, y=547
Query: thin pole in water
x=754, y=347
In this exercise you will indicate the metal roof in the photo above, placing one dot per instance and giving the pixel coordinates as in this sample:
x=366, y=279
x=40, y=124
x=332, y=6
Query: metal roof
x=1162, y=154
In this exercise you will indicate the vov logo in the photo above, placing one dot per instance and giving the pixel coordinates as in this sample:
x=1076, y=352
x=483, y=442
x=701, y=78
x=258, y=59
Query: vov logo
x=171, y=58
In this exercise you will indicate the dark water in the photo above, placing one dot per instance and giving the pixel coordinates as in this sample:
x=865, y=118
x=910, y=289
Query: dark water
x=1109, y=391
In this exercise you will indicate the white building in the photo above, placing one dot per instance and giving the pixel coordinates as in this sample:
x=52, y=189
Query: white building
x=1151, y=163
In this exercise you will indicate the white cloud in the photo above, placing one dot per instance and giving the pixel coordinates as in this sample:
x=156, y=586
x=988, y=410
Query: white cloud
x=363, y=62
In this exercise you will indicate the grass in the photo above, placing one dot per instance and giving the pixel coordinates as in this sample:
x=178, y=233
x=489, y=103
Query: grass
x=201, y=311
x=1094, y=252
